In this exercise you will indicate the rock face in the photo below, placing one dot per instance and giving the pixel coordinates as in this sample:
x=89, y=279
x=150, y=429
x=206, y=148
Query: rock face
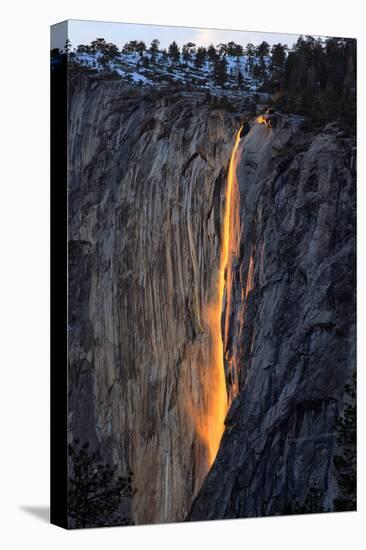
x=147, y=178
x=292, y=322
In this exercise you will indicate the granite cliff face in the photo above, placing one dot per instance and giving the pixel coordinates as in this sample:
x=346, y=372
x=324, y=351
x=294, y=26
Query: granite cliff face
x=292, y=322
x=147, y=180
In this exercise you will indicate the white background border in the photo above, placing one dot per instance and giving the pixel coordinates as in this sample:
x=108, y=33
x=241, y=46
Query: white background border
x=24, y=274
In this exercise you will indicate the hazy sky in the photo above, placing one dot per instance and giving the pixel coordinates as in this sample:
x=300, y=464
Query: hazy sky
x=83, y=32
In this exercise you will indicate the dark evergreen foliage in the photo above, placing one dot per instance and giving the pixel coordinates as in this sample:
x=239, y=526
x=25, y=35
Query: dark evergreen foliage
x=154, y=49
x=345, y=462
x=200, y=56
x=95, y=491
x=233, y=49
x=141, y=48
x=317, y=79
x=220, y=71
x=67, y=47
x=188, y=51
x=250, y=52
x=313, y=503
x=174, y=51
x=212, y=53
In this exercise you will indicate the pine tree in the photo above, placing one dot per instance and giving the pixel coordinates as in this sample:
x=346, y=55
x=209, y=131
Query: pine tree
x=188, y=50
x=263, y=53
x=250, y=52
x=233, y=49
x=312, y=504
x=200, y=56
x=278, y=60
x=95, y=490
x=345, y=463
x=67, y=46
x=220, y=72
x=212, y=53
x=174, y=51
x=230, y=48
x=263, y=50
x=154, y=49
x=238, y=51
x=222, y=49
x=111, y=50
x=98, y=45
x=141, y=48
x=81, y=48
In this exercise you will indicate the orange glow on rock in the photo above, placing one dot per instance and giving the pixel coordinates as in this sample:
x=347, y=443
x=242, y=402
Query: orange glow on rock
x=210, y=426
x=262, y=119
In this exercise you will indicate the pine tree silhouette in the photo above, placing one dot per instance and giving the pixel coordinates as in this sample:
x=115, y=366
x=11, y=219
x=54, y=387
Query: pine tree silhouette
x=313, y=503
x=345, y=463
x=95, y=491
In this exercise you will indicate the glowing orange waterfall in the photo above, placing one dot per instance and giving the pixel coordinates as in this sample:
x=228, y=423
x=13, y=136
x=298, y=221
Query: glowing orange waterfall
x=212, y=427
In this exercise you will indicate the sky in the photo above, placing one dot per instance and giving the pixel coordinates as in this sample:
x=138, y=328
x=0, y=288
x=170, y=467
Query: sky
x=83, y=32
